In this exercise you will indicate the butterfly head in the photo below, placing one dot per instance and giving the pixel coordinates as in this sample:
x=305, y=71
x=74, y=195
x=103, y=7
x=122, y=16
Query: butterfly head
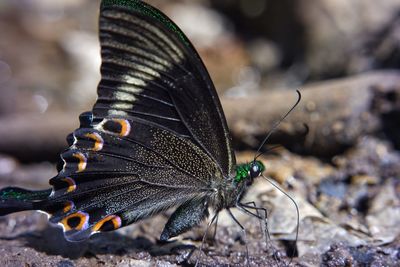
x=248, y=171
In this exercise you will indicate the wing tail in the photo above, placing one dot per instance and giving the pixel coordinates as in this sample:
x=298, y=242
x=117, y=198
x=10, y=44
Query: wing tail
x=14, y=199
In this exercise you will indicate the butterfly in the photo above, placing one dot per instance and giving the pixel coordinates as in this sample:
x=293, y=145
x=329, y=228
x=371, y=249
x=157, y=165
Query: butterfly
x=156, y=138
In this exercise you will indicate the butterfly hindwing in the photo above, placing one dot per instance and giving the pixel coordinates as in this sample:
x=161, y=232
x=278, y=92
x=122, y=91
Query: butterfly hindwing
x=126, y=202
x=111, y=172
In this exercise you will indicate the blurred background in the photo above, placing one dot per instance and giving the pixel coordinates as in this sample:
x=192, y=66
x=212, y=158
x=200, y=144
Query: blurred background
x=49, y=51
x=344, y=54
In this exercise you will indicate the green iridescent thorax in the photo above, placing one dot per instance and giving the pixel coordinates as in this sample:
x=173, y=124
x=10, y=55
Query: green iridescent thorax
x=243, y=170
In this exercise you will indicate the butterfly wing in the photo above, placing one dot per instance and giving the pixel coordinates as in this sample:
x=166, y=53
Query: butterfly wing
x=160, y=77
x=124, y=176
x=156, y=137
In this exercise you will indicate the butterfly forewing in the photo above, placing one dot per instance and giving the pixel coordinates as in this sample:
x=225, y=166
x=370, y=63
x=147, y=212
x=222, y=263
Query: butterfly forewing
x=150, y=70
x=156, y=137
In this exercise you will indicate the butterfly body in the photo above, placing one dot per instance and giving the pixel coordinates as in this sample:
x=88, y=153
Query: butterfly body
x=155, y=139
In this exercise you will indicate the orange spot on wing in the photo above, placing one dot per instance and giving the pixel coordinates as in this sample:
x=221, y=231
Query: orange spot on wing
x=71, y=184
x=68, y=206
x=125, y=127
x=109, y=126
x=114, y=219
x=75, y=221
x=82, y=161
x=98, y=145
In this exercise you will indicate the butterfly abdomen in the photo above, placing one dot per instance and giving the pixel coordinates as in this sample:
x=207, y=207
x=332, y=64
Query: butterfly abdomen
x=14, y=199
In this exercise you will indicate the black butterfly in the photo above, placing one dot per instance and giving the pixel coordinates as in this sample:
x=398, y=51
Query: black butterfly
x=155, y=139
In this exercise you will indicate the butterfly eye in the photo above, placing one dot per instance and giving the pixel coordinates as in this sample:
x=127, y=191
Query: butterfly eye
x=254, y=170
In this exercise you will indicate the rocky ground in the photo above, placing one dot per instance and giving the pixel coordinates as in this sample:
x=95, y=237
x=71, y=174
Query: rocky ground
x=342, y=170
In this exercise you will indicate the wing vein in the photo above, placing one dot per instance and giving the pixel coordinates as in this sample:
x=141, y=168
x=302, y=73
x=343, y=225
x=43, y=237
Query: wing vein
x=106, y=87
x=141, y=113
x=143, y=26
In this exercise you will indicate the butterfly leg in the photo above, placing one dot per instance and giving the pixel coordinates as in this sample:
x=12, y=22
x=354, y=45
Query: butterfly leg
x=184, y=218
x=204, y=237
x=244, y=234
x=215, y=228
x=251, y=205
x=243, y=209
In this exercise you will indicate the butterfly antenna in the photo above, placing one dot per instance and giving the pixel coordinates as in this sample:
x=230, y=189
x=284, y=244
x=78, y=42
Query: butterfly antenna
x=271, y=149
x=297, y=211
x=258, y=153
